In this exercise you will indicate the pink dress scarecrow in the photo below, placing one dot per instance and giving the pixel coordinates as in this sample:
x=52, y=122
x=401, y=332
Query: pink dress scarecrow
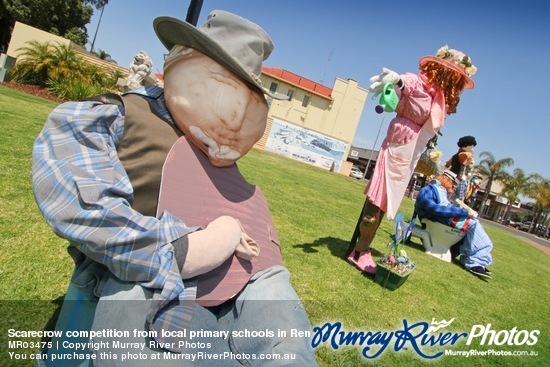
x=424, y=100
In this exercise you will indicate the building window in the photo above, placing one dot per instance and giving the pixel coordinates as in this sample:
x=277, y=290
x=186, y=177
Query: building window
x=289, y=94
x=273, y=87
x=305, y=102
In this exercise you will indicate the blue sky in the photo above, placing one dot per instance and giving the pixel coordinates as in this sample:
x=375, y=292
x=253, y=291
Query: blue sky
x=323, y=40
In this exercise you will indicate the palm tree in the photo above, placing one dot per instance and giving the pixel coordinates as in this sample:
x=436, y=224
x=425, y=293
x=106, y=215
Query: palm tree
x=36, y=60
x=42, y=62
x=515, y=185
x=103, y=55
x=61, y=70
x=540, y=191
x=65, y=62
x=493, y=170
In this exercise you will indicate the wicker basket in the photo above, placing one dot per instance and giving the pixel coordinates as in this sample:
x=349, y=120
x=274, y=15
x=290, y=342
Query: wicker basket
x=426, y=167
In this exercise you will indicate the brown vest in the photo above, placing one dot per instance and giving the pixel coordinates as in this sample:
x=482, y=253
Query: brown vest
x=145, y=143
x=196, y=192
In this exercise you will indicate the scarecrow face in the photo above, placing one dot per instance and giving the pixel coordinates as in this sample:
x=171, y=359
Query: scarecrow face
x=447, y=183
x=216, y=110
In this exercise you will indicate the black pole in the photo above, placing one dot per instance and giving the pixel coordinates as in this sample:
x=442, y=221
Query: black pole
x=98, y=23
x=193, y=12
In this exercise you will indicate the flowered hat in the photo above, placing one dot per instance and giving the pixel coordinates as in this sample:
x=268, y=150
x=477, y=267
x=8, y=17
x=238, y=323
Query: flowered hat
x=456, y=60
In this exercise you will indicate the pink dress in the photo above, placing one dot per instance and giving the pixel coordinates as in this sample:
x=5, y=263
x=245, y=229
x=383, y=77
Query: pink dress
x=420, y=114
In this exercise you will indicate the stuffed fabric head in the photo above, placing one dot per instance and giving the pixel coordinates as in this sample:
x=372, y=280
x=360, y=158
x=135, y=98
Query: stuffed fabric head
x=212, y=82
x=447, y=180
x=451, y=71
x=466, y=141
x=220, y=113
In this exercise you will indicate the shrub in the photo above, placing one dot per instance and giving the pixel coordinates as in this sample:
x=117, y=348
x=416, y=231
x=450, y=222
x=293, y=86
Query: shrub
x=112, y=78
x=74, y=88
x=42, y=62
x=60, y=69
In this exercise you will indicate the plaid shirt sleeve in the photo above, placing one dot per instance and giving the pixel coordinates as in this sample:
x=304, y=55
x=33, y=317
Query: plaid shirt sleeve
x=85, y=196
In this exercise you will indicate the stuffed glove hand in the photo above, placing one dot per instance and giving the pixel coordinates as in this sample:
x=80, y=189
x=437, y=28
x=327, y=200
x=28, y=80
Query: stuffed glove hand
x=471, y=212
x=210, y=247
x=378, y=81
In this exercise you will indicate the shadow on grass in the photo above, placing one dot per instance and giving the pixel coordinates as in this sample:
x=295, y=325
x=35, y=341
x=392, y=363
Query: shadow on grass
x=26, y=315
x=415, y=245
x=338, y=247
x=50, y=325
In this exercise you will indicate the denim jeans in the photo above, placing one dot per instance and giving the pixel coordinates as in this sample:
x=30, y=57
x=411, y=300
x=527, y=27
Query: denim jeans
x=77, y=314
x=259, y=324
x=476, y=247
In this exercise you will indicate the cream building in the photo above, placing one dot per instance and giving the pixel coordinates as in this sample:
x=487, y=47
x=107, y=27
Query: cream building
x=318, y=124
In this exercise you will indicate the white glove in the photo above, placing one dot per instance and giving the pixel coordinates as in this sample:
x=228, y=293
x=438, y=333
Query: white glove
x=471, y=212
x=378, y=81
x=209, y=248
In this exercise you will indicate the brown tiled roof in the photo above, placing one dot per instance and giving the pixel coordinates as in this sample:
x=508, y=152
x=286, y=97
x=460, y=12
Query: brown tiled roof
x=298, y=81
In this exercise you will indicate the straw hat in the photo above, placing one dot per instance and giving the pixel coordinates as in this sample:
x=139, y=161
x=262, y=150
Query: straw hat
x=455, y=60
x=235, y=42
x=450, y=176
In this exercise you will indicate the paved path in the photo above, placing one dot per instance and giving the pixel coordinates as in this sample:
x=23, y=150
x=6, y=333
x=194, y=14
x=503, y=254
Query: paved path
x=541, y=243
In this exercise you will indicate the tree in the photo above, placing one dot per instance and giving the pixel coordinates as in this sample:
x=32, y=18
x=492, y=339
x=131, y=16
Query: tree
x=540, y=191
x=65, y=18
x=5, y=28
x=493, y=170
x=103, y=55
x=62, y=71
x=516, y=185
x=42, y=62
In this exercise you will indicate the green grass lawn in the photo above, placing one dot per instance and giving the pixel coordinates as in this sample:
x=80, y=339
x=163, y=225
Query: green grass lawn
x=315, y=212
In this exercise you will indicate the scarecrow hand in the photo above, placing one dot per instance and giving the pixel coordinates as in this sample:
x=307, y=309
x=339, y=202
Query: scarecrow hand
x=471, y=212
x=210, y=247
x=378, y=81
x=247, y=247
